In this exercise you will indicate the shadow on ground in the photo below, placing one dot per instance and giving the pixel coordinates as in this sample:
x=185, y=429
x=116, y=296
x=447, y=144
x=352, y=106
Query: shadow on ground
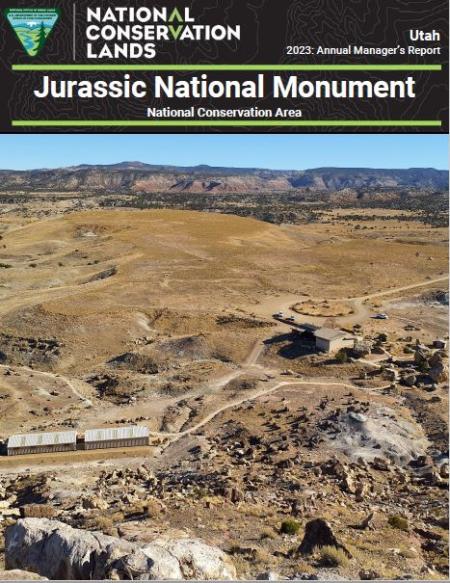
x=292, y=346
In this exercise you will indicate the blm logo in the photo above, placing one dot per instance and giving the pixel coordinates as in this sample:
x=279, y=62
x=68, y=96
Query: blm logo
x=32, y=26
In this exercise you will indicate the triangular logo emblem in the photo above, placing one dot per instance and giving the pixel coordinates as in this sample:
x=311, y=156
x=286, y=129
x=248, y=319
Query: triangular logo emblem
x=175, y=15
x=32, y=26
x=175, y=31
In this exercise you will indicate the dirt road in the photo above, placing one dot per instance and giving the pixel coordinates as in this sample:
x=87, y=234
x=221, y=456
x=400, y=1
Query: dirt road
x=235, y=403
x=73, y=384
x=250, y=364
x=401, y=288
x=254, y=353
x=360, y=311
x=168, y=437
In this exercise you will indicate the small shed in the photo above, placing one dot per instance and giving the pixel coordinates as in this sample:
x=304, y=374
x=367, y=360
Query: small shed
x=128, y=436
x=331, y=339
x=26, y=443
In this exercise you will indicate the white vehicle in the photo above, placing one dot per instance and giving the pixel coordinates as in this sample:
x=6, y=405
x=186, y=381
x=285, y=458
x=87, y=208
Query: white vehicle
x=381, y=317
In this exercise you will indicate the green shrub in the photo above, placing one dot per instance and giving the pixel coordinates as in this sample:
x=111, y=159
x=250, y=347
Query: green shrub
x=333, y=557
x=289, y=526
x=400, y=522
x=342, y=356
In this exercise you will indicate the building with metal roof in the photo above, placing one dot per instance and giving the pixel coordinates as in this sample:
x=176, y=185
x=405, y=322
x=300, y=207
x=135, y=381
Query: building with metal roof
x=331, y=339
x=128, y=436
x=25, y=443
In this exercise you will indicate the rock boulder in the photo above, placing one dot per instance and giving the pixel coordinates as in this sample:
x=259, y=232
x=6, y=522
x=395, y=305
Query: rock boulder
x=19, y=575
x=318, y=533
x=58, y=551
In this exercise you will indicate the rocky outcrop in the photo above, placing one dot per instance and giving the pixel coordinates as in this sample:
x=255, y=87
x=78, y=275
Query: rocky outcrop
x=438, y=371
x=198, y=560
x=431, y=363
x=318, y=533
x=151, y=562
x=58, y=551
x=173, y=559
x=19, y=575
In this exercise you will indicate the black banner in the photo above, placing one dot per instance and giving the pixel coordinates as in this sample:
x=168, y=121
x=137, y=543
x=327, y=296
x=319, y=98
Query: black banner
x=329, y=65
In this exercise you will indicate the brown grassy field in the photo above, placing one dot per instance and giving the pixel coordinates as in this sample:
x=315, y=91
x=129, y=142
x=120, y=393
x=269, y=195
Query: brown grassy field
x=164, y=318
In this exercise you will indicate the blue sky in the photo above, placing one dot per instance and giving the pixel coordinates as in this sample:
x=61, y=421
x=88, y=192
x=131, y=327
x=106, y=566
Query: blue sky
x=240, y=150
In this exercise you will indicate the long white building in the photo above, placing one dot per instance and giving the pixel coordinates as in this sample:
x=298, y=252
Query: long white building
x=25, y=443
x=128, y=436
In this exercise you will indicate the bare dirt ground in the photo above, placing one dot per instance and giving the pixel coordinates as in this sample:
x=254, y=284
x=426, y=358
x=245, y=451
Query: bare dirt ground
x=164, y=318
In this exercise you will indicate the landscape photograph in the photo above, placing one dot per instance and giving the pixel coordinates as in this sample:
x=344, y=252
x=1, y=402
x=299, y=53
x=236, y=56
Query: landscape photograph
x=224, y=357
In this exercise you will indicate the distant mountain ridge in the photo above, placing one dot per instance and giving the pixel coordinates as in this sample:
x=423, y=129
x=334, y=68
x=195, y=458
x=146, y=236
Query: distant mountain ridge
x=139, y=177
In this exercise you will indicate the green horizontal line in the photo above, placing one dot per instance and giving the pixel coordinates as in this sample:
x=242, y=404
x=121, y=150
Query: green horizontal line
x=219, y=123
x=200, y=67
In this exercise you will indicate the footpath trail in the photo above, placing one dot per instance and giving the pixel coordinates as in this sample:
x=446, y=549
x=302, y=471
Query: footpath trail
x=31, y=297
x=235, y=403
x=73, y=384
